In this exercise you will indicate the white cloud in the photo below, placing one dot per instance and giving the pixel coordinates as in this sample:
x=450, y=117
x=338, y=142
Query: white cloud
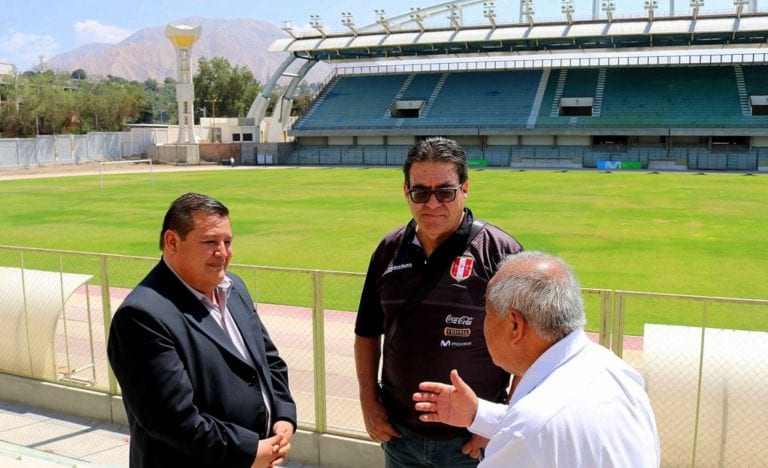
x=24, y=50
x=90, y=31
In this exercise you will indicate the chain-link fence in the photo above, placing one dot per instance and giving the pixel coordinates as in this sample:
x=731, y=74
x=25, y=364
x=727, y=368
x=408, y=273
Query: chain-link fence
x=705, y=362
x=703, y=358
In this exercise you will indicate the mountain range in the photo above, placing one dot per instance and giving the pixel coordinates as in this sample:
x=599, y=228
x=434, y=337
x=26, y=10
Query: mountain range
x=149, y=54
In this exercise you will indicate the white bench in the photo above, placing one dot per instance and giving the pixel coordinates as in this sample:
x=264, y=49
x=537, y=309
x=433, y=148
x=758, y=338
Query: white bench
x=31, y=303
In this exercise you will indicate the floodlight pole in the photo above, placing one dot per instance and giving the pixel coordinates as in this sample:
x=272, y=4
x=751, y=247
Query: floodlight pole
x=348, y=21
x=651, y=5
x=288, y=27
x=489, y=11
x=418, y=17
x=316, y=22
x=739, y=4
x=383, y=21
x=695, y=5
x=454, y=17
x=567, y=9
x=608, y=7
x=529, y=10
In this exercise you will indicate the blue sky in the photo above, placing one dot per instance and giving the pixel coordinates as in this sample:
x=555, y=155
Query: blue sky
x=31, y=29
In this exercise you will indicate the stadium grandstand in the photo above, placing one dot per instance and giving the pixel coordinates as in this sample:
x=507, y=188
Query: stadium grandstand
x=682, y=91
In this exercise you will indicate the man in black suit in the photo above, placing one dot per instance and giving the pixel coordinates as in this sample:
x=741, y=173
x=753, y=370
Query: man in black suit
x=202, y=382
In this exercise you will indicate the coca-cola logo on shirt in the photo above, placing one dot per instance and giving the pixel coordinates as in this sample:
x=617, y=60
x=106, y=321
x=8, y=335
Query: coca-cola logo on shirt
x=459, y=319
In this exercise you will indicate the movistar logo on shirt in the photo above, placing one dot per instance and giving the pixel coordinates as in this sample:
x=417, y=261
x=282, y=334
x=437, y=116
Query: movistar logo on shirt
x=392, y=268
x=454, y=344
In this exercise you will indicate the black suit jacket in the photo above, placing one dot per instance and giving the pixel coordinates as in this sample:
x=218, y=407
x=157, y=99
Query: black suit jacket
x=191, y=399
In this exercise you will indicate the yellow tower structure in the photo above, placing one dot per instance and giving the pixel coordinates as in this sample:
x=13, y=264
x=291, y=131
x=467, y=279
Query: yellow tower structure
x=183, y=37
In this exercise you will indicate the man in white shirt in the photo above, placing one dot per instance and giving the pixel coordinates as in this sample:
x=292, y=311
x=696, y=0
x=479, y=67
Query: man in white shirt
x=574, y=403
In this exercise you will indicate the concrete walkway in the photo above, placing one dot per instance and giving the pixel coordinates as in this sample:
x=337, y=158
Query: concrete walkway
x=32, y=437
x=35, y=438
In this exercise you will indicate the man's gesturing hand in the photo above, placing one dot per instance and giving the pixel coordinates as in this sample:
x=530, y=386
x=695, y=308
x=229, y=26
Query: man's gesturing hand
x=450, y=404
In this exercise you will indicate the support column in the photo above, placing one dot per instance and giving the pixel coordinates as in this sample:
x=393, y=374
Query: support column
x=183, y=37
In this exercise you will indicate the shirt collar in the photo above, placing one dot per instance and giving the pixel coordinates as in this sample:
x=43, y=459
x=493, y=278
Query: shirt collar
x=224, y=286
x=551, y=359
x=461, y=232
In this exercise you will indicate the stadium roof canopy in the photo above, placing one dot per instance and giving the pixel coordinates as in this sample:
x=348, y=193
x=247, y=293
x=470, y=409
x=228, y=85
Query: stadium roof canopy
x=426, y=33
x=412, y=39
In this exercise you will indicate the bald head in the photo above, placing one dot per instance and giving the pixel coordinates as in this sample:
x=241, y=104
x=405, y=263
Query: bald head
x=543, y=289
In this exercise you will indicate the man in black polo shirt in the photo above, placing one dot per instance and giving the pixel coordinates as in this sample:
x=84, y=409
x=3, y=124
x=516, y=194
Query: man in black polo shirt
x=425, y=293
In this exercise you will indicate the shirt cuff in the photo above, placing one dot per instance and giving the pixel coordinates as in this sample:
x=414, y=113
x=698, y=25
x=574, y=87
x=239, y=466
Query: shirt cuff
x=487, y=418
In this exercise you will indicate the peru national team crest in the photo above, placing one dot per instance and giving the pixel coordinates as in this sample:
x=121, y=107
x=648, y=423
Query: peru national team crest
x=461, y=268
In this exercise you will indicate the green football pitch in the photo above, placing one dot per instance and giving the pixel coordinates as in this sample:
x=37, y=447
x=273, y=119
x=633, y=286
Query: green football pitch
x=680, y=233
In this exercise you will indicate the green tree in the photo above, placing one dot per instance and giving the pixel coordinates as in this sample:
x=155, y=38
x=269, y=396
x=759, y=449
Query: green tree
x=47, y=103
x=151, y=85
x=10, y=110
x=79, y=74
x=54, y=108
x=108, y=106
x=301, y=104
x=302, y=98
x=44, y=105
x=160, y=102
x=231, y=89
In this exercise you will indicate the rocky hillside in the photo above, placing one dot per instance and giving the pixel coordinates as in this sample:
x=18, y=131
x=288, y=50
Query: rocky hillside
x=148, y=53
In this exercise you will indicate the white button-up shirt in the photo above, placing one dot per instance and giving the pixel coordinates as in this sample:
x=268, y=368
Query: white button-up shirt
x=578, y=405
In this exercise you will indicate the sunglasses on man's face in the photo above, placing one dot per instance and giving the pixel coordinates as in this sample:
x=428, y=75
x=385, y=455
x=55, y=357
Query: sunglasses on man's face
x=442, y=194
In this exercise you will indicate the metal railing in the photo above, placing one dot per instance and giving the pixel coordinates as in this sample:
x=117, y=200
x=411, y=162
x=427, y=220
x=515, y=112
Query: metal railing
x=537, y=62
x=703, y=358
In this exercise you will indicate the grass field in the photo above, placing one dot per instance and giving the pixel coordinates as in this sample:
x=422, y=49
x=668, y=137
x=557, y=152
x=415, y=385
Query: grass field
x=683, y=233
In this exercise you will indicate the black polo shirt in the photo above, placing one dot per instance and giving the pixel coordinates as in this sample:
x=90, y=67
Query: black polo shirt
x=445, y=331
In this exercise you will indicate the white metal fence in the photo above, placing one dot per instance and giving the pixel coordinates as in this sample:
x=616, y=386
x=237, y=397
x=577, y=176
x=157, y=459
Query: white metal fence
x=703, y=358
x=45, y=150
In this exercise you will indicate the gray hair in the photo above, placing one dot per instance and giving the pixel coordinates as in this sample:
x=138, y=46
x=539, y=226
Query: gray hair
x=549, y=300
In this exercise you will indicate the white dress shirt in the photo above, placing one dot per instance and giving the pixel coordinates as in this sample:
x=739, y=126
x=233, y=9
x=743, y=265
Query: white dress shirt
x=578, y=405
